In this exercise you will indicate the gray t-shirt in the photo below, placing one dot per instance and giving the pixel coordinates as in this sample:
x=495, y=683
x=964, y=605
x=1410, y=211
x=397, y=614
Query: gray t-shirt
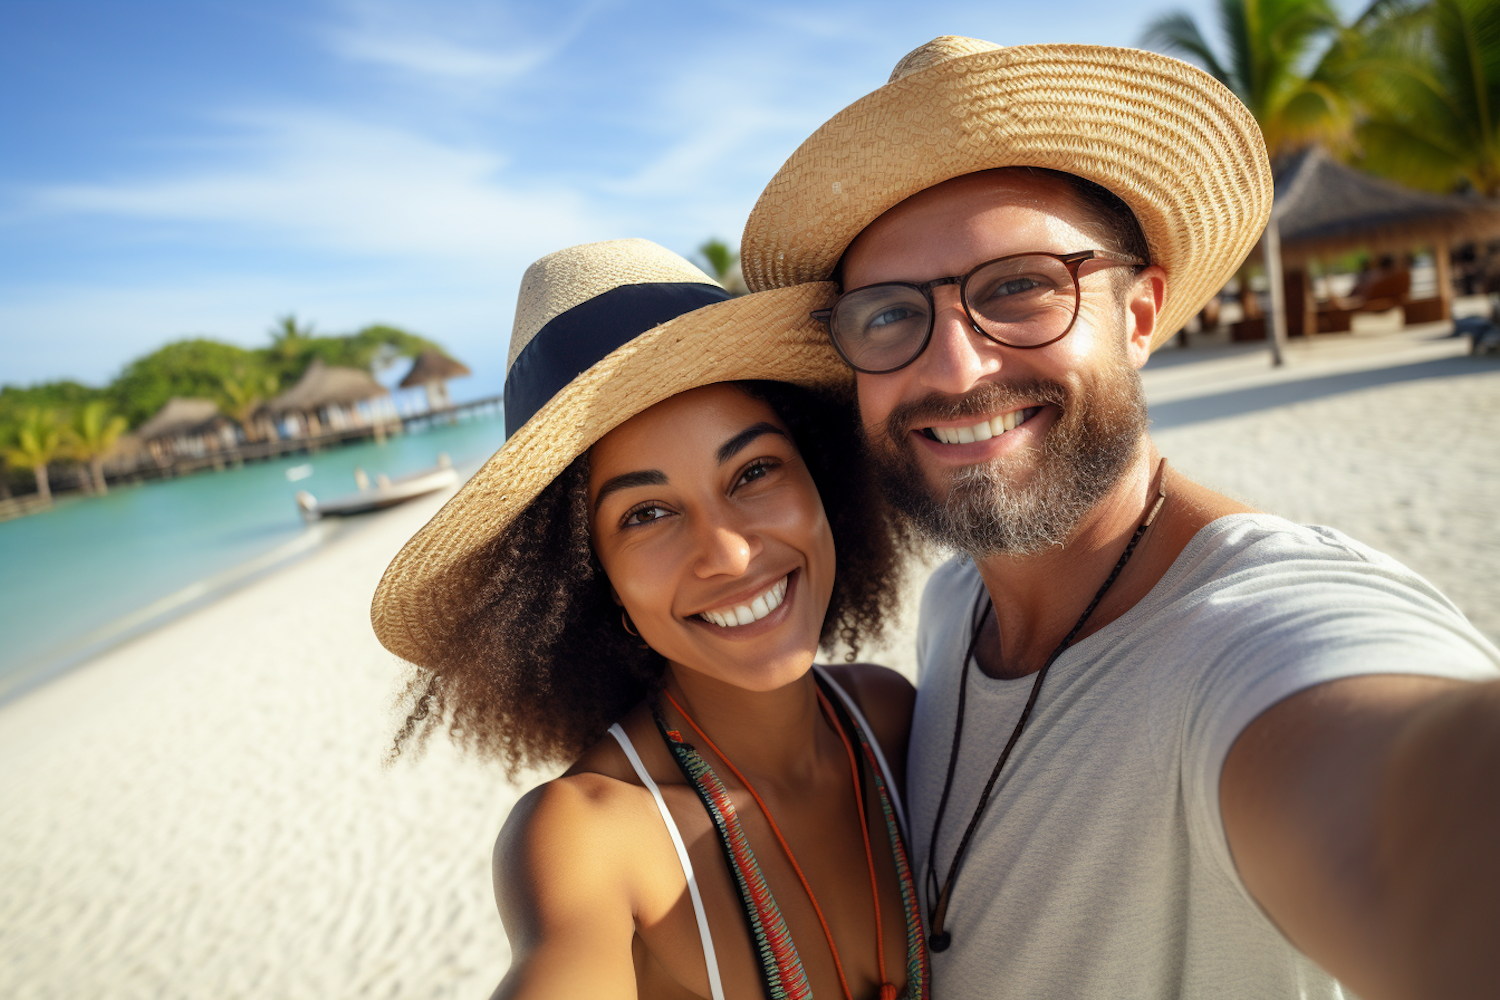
x=1100, y=867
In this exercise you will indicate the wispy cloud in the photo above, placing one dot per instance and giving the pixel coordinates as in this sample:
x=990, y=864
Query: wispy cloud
x=316, y=180
x=466, y=43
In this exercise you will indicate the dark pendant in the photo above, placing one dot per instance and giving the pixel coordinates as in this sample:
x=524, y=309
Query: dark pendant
x=939, y=941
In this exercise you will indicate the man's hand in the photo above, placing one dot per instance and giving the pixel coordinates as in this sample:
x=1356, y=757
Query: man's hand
x=1364, y=817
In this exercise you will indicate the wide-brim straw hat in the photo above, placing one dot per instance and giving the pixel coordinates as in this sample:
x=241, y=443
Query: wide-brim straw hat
x=602, y=332
x=1171, y=141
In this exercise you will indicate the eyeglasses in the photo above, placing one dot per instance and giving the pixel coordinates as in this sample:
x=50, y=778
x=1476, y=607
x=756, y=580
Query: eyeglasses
x=1024, y=300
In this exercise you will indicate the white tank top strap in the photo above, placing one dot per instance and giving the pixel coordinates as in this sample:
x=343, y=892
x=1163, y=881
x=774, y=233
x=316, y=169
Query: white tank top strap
x=885, y=769
x=715, y=986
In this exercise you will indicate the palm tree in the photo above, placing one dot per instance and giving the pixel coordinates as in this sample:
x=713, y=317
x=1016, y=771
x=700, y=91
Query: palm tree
x=92, y=436
x=290, y=344
x=35, y=443
x=1289, y=61
x=1434, y=110
x=243, y=393
x=1296, y=68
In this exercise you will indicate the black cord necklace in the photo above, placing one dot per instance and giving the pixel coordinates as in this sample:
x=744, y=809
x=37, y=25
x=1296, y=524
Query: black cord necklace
x=940, y=939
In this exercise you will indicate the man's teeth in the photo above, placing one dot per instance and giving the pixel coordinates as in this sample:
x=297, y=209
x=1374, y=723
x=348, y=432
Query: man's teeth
x=985, y=429
x=744, y=614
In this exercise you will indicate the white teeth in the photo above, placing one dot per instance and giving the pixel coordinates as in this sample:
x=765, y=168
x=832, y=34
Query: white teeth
x=984, y=430
x=744, y=614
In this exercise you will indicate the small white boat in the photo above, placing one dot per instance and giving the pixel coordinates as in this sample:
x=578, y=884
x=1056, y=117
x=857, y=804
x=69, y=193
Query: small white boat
x=384, y=493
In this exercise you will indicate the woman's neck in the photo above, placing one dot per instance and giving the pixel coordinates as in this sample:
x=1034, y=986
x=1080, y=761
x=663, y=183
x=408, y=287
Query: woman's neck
x=780, y=737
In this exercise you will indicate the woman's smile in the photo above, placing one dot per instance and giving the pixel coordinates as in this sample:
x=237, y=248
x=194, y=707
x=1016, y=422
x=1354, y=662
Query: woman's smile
x=734, y=614
x=769, y=610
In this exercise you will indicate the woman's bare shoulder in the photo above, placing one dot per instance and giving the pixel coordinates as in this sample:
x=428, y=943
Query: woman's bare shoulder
x=588, y=803
x=886, y=698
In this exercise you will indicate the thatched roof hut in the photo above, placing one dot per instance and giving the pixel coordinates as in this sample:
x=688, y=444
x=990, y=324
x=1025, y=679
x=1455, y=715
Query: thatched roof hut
x=1324, y=207
x=322, y=386
x=433, y=366
x=431, y=371
x=181, y=417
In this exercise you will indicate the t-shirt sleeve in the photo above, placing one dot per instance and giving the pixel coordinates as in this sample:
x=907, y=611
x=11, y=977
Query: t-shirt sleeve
x=1298, y=607
x=949, y=593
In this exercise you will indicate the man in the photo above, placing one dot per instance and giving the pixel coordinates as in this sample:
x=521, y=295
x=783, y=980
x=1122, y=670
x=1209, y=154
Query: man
x=1164, y=745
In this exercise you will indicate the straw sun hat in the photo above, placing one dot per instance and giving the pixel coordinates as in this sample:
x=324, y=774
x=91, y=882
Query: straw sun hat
x=602, y=332
x=1171, y=141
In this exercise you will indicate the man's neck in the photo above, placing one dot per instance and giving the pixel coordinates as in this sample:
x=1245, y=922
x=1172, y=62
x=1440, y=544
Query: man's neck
x=1039, y=598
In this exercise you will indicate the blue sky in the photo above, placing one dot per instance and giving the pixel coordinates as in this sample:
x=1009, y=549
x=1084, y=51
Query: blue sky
x=170, y=169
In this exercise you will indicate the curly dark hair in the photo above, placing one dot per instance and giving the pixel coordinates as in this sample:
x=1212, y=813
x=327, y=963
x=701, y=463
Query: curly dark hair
x=539, y=666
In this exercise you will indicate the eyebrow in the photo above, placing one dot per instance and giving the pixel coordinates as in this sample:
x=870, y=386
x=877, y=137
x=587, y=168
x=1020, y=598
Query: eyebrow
x=655, y=477
x=630, y=480
x=736, y=444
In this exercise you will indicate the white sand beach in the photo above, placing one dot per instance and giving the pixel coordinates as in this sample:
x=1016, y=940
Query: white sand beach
x=204, y=812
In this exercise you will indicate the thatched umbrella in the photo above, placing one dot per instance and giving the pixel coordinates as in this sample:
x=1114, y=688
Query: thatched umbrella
x=431, y=371
x=180, y=417
x=1324, y=207
x=180, y=421
x=328, y=390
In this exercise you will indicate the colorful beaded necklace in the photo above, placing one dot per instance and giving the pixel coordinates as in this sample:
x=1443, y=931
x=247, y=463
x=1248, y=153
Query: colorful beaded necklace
x=781, y=968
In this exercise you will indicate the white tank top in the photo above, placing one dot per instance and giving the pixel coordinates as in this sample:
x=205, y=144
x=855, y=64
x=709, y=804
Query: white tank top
x=715, y=985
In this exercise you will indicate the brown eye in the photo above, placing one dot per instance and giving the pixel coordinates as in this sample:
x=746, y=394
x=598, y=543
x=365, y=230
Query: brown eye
x=644, y=514
x=758, y=469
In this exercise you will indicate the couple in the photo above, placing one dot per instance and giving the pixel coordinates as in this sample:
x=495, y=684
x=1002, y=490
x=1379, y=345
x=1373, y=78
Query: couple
x=1162, y=744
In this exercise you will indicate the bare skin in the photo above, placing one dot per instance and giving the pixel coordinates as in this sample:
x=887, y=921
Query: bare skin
x=1330, y=798
x=591, y=892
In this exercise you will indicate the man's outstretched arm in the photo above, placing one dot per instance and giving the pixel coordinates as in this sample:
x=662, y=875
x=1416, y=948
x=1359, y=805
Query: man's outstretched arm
x=1364, y=816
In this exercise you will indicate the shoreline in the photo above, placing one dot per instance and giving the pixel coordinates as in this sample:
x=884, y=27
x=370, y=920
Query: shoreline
x=161, y=612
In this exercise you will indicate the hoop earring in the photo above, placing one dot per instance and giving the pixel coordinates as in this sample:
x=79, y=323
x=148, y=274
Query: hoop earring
x=625, y=621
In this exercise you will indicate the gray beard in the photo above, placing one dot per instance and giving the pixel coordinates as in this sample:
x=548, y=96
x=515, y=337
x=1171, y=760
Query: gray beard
x=983, y=511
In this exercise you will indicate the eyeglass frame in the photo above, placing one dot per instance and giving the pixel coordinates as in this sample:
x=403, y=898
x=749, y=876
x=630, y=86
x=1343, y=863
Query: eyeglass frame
x=1072, y=261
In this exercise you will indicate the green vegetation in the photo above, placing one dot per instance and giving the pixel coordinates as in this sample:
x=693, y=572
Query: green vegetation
x=722, y=264
x=34, y=443
x=240, y=395
x=52, y=421
x=1434, y=109
x=191, y=368
x=1286, y=59
x=1410, y=90
x=92, y=437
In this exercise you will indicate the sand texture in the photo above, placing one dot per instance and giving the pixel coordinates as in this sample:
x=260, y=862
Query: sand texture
x=203, y=812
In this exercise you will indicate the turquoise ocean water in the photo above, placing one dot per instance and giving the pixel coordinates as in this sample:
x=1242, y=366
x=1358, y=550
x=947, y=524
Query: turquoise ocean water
x=89, y=566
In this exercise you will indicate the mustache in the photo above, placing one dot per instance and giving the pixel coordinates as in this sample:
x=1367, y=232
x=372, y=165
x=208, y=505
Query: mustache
x=984, y=399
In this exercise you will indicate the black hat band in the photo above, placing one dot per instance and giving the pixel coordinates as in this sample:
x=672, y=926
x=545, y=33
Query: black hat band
x=575, y=340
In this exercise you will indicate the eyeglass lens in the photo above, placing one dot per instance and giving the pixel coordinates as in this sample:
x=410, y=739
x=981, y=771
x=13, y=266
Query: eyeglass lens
x=1023, y=301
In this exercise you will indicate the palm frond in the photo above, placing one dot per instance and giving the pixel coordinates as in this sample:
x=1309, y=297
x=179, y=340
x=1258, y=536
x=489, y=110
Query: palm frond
x=1176, y=33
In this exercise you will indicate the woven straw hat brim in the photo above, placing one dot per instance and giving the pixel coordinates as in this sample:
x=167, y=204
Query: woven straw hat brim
x=765, y=336
x=1171, y=141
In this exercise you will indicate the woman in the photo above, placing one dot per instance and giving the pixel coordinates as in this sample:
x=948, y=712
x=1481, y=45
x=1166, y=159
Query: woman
x=638, y=583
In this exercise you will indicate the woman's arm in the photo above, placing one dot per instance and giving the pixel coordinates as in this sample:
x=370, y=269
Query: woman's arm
x=564, y=895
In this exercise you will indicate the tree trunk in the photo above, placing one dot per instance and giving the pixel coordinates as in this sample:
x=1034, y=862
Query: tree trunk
x=98, y=468
x=43, y=487
x=1442, y=265
x=1271, y=246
